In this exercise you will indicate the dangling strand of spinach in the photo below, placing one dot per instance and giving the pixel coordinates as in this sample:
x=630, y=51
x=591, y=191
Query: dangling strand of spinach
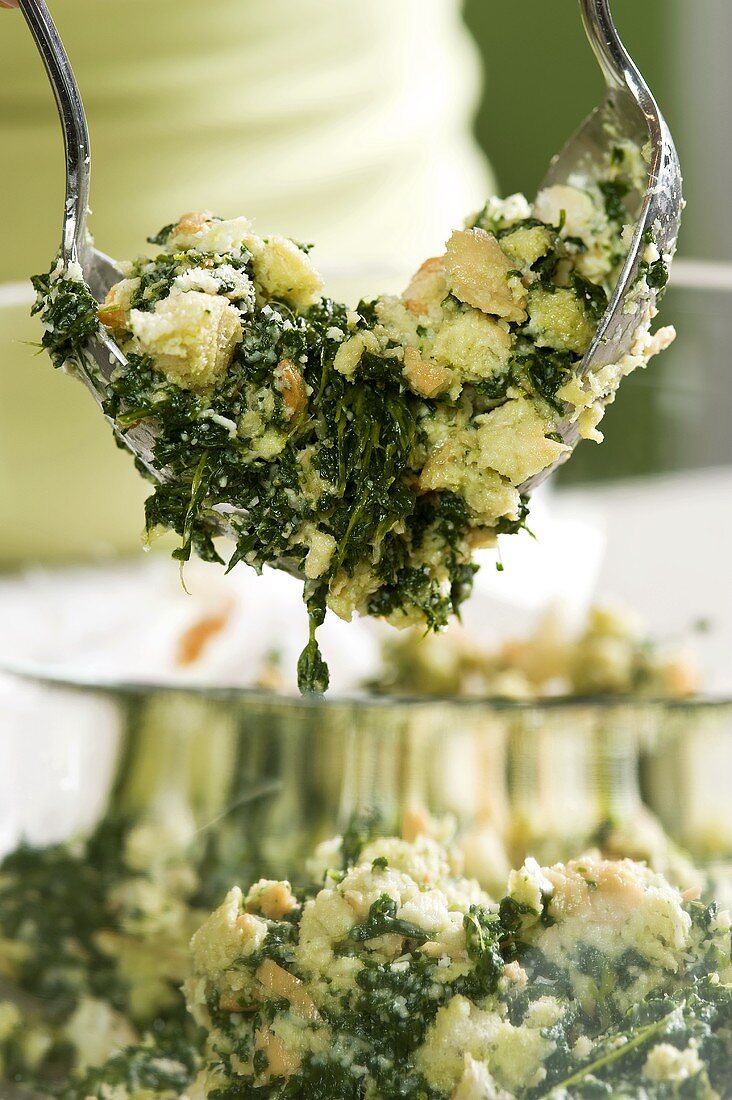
x=312, y=671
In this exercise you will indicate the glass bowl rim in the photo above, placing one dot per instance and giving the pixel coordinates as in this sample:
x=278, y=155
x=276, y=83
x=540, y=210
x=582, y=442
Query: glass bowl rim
x=44, y=675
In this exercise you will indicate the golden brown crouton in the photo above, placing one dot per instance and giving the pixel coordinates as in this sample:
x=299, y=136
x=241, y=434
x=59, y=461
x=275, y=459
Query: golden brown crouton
x=427, y=288
x=285, y=985
x=424, y=376
x=482, y=275
x=290, y=384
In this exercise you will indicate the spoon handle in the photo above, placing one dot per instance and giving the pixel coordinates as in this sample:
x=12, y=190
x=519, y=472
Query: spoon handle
x=73, y=123
x=600, y=29
x=618, y=68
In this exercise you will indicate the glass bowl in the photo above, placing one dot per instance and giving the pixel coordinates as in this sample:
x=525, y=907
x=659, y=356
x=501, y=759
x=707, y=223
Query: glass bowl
x=262, y=779
x=128, y=808
x=193, y=790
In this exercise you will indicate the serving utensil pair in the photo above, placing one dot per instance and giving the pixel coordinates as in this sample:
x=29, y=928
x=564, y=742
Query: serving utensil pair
x=628, y=112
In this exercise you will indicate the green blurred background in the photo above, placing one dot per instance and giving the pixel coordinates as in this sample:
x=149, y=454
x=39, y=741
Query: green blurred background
x=532, y=100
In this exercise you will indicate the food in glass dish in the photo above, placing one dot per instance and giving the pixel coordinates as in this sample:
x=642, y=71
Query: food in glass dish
x=399, y=977
x=374, y=449
x=93, y=950
x=609, y=655
x=390, y=974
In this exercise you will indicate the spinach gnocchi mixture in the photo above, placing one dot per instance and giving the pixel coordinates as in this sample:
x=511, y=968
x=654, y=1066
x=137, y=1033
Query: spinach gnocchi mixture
x=399, y=977
x=371, y=450
x=393, y=975
x=609, y=655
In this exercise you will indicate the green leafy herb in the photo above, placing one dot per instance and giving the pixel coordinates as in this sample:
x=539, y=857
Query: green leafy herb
x=613, y=192
x=69, y=315
x=382, y=921
x=592, y=294
x=544, y=371
x=482, y=940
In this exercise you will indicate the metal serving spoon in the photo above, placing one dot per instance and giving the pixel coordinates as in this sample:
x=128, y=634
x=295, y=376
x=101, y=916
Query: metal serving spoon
x=98, y=270
x=628, y=112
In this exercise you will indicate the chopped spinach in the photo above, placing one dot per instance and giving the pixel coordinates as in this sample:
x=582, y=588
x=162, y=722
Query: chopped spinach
x=69, y=315
x=312, y=671
x=593, y=295
x=382, y=921
x=613, y=192
x=361, y=829
x=162, y=235
x=543, y=371
x=297, y=430
x=164, y=1064
x=483, y=929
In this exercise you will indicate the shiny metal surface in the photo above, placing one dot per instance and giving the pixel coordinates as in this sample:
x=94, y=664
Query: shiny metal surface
x=627, y=112
x=99, y=271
